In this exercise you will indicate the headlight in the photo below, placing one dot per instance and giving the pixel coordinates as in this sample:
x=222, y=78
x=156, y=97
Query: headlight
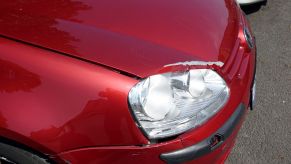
x=172, y=103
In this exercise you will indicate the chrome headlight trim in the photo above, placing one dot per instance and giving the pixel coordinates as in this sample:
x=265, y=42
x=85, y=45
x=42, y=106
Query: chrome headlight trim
x=169, y=104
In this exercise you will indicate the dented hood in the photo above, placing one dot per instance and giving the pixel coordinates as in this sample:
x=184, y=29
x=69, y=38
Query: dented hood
x=138, y=37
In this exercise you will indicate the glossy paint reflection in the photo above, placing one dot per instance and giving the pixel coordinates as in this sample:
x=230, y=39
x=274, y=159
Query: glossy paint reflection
x=15, y=78
x=96, y=115
x=78, y=109
x=3, y=121
x=138, y=37
x=227, y=43
x=62, y=103
x=36, y=21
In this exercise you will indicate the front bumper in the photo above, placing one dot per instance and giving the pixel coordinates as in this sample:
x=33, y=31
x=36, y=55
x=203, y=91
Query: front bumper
x=202, y=152
x=208, y=145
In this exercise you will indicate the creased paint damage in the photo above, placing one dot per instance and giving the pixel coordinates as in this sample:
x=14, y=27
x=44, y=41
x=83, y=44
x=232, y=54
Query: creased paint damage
x=192, y=63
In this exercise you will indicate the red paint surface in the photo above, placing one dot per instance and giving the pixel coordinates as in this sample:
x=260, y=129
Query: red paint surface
x=63, y=103
x=78, y=110
x=144, y=155
x=139, y=37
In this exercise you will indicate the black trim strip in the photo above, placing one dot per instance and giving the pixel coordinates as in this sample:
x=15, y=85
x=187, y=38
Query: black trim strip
x=206, y=146
x=251, y=103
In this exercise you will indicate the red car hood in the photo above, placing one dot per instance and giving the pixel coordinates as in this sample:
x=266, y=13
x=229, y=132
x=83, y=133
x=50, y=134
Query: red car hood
x=138, y=37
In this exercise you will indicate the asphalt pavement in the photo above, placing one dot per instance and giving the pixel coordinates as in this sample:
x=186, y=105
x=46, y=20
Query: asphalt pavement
x=266, y=133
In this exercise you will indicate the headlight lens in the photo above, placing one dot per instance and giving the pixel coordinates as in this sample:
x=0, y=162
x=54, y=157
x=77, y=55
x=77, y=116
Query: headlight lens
x=172, y=103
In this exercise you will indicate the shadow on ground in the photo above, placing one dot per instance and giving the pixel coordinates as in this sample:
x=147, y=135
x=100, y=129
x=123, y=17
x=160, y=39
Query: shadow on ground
x=249, y=9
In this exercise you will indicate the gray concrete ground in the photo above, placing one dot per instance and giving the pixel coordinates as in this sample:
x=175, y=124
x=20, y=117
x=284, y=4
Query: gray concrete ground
x=266, y=134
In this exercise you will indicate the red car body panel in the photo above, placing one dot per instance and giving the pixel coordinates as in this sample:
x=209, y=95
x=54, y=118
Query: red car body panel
x=132, y=36
x=66, y=68
x=240, y=93
x=54, y=100
x=142, y=155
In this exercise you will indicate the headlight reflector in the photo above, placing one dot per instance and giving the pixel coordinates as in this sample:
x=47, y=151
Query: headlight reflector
x=172, y=103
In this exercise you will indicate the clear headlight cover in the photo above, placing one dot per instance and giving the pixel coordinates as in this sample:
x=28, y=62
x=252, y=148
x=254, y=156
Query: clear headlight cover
x=172, y=103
